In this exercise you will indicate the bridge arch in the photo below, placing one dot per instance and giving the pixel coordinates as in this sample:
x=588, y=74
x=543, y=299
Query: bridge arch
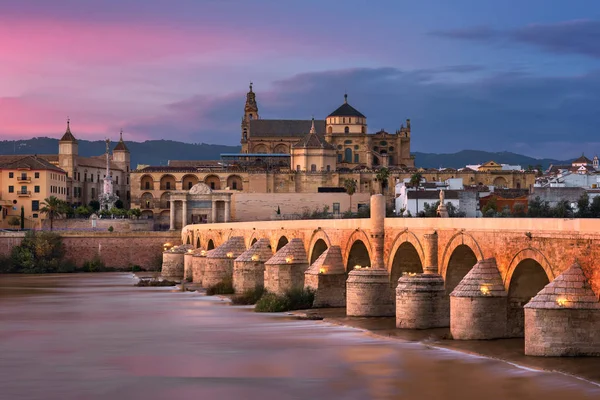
x=210, y=245
x=319, y=242
x=527, y=274
x=198, y=241
x=460, y=255
x=406, y=255
x=282, y=241
x=358, y=250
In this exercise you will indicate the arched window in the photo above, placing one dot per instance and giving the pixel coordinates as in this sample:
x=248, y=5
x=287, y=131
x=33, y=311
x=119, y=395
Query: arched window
x=330, y=130
x=348, y=155
x=313, y=167
x=362, y=130
x=339, y=158
x=347, y=141
x=346, y=130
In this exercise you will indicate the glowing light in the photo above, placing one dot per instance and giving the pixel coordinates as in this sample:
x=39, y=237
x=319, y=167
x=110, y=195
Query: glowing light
x=561, y=301
x=190, y=251
x=357, y=267
x=255, y=257
x=230, y=255
x=322, y=270
x=289, y=259
x=203, y=253
x=484, y=290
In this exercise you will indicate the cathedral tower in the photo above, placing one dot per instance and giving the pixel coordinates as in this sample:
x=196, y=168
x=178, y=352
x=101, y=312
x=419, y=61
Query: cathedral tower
x=250, y=113
x=121, y=154
x=68, y=150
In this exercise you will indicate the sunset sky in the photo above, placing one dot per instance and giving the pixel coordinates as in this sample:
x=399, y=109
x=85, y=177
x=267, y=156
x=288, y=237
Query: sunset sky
x=520, y=76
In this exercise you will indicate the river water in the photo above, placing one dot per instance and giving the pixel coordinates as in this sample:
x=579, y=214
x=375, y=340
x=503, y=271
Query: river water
x=95, y=336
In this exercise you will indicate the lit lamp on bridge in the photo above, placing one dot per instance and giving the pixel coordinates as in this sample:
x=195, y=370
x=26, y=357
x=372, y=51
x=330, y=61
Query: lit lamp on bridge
x=203, y=253
x=230, y=255
x=322, y=270
x=485, y=290
x=357, y=266
x=561, y=301
x=255, y=257
x=289, y=259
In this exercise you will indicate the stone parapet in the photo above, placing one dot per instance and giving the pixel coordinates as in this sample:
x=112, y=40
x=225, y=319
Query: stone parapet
x=563, y=319
x=421, y=302
x=478, y=304
x=369, y=294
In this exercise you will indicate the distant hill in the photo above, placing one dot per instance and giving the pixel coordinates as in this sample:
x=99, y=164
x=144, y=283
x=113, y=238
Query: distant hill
x=159, y=152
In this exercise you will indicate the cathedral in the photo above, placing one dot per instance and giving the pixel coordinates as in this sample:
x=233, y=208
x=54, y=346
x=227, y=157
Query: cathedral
x=339, y=141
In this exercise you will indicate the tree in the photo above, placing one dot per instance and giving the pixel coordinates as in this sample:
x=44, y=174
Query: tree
x=382, y=176
x=95, y=204
x=415, y=182
x=490, y=208
x=119, y=204
x=583, y=206
x=22, y=218
x=14, y=221
x=595, y=207
x=53, y=207
x=134, y=213
x=350, y=186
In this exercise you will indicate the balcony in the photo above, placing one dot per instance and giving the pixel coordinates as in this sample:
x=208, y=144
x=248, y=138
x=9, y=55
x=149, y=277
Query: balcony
x=24, y=179
x=24, y=193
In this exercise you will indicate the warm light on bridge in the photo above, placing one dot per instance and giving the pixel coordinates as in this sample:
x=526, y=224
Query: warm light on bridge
x=561, y=301
x=322, y=270
x=203, y=253
x=289, y=259
x=485, y=290
x=255, y=257
x=230, y=255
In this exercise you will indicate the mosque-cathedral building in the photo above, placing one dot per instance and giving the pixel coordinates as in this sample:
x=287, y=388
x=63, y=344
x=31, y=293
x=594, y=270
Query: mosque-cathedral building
x=299, y=164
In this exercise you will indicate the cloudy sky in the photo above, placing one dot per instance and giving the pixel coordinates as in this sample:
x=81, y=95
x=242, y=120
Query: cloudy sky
x=520, y=76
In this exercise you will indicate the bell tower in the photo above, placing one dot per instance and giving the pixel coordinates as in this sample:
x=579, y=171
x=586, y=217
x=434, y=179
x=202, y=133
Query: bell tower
x=250, y=113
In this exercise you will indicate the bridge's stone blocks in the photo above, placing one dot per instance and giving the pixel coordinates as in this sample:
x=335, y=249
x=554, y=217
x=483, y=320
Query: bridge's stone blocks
x=564, y=318
x=173, y=262
x=327, y=277
x=198, y=265
x=421, y=302
x=187, y=265
x=219, y=262
x=368, y=293
x=478, y=304
x=285, y=270
x=249, y=267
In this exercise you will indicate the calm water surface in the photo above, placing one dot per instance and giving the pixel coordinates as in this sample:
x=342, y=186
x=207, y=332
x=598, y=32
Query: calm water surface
x=90, y=336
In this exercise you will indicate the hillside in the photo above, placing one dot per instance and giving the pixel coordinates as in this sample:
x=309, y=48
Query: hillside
x=159, y=152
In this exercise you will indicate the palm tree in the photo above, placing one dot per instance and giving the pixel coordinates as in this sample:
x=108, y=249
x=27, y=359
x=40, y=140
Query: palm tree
x=350, y=186
x=53, y=207
x=415, y=181
x=382, y=176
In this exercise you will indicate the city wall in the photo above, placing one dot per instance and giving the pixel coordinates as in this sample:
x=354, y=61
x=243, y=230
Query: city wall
x=119, y=225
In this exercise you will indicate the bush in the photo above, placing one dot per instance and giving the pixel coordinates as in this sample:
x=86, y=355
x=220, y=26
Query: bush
x=249, y=297
x=6, y=265
x=94, y=265
x=295, y=299
x=136, y=268
x=154, y=282
x=110, y=228
x=223, y=287
x=67, y=266
x=39, y=252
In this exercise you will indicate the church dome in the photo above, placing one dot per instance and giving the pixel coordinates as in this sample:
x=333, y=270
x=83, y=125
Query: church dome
x=346, y=110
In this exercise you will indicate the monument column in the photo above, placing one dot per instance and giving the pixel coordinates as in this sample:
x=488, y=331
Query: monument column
x=213, y=215
x=368, y=290
x=227, y=210
x=172, y=215
x=184, y=212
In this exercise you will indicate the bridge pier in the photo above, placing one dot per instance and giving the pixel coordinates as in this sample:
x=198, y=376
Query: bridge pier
x=219, y=262
x=198, y=263
x=327, y=277
x=188, y=259
x=249, y=267
x=173, y=262
x=285, y=270
x=478, y=305
x=564, y=318
x=421, y=301
x=368, y=290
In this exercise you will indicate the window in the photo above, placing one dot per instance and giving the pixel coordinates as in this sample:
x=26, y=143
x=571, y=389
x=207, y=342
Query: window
x=23, y=189
x=391, y=149
x=297, y=168
x=328, y=168
x=250, y=115
x=362, y=130
x=212, y=185
x=85, y=176
x=383, y=143
x=346, y=130
x=37, y=175
x=35, y=205
x=356, y=147
x=356, y=158
x=347, y=141
x=339, y=158
x=36, y=189
x=117, y=181
x=11, y=189
x=348, y=155
x=128, y=177
x=336, y=208
x=91, y=177
x=147, y=185
x=168, y=185
x=118, y=193
x=35, y=215
x=11, y=174
x=339, y=147
x=190, y=184
x=93, y=193
x=234, y=185
x=313, y=167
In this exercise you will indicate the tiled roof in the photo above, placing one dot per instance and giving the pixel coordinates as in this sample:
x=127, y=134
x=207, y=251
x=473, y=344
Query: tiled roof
x=284, y=127
x=262, y=249
x=432, y=194
x=180, y=249
x=483, y=280
x=294, y=251
x=234, y=245
x=96, y=162
x=330, y=262
x=570, y=289
x=582, y=159
x=346, y=110
x=193, y=163
x=68, y=136
x=28, y=161
x=121, y=146
x=313, y=141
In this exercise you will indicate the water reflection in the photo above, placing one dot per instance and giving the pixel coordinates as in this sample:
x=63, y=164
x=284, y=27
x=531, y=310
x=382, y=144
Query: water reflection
x=97, y=337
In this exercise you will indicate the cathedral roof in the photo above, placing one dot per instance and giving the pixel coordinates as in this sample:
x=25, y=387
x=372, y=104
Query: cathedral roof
x=284, y=127
x=313, y=141
x=68, y=136
x=121, y=145
x=582, y=159
x=346, y=110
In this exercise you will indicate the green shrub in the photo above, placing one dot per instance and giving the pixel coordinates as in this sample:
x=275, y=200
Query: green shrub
x=94, y=265
x=67, y=266
x=6, y=265
x=136, y=268
x=154, y=282
x=249, y=297
x=39, y=252
x=110, y=228
x=295, y=299
x=223, y=287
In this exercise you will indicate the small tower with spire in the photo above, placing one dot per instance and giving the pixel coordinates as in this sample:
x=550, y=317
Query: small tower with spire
x=68, y=150
x=121, y=154
x=250, y=113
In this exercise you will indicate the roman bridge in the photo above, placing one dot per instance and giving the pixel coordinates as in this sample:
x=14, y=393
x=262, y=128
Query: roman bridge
x=529, y=253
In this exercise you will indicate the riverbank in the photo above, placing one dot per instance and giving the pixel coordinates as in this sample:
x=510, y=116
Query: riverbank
x=507, y=350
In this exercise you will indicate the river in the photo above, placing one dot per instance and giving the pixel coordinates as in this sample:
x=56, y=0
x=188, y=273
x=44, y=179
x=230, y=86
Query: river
x=95, y=336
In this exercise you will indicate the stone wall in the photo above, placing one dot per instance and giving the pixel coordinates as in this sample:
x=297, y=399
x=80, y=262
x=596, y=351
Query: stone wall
x=114, y=248
x=119, y=225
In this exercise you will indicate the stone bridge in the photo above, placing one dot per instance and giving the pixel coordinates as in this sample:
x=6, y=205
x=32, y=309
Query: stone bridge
x=529, y=253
